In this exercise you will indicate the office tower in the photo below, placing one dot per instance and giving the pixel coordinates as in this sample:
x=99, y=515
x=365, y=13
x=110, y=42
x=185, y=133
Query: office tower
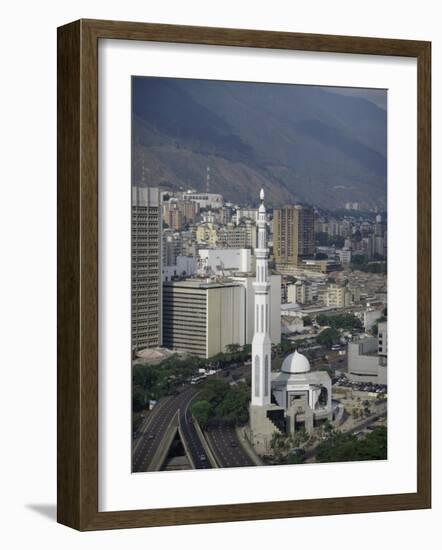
x=146, y=268
x=293, y=234
x=201, y=317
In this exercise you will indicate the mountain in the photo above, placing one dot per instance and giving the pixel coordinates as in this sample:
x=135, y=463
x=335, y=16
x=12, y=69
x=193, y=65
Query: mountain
x=302, y=143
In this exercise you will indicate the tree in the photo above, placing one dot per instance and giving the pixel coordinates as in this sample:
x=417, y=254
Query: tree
x=342, y=447
x=215, y=391
x=280, y=444
x=233, y=348
x=139, y=400
x=342, y=321
x=328, y=337
x=234, y=408
x=202, y=411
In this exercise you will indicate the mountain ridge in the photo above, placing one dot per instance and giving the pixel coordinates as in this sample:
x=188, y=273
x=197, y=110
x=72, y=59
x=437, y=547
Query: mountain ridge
x=303, y=143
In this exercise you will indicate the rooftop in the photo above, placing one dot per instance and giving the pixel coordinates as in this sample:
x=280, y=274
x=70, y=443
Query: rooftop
x=200, y=283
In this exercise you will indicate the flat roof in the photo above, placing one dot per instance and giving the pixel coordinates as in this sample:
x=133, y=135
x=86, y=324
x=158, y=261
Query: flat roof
x=201, y=283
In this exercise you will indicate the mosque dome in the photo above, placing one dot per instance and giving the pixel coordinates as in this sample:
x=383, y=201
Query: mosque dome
x=295, y=363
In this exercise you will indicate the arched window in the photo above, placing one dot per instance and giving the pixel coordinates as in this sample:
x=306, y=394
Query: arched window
x=257, y=381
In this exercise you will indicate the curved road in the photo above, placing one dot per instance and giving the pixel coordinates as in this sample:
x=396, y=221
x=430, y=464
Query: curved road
x=154, y=427
x=191, y=438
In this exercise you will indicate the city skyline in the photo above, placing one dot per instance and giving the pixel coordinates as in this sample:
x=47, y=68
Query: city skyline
x=259, y=329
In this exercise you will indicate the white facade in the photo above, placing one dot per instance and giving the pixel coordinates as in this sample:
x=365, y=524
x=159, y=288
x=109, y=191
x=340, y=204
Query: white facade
x=261, y=344
x=296, y=380
x=275, y=306
x=383, y=339
x=344, y=255
x=185, y=267
x=300, y=292
x=370, y=316
x=218, y=261
x=367, y=361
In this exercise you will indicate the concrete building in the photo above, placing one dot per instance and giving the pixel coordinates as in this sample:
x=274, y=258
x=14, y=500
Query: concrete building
x=367, y=358
x=172, y=215
x=204, y=200
x=189, y=210
x=337, y=296
x=301, y=292
x=203, y=317
x=247, y=213
x=237, y=236
x=382, y=339
x=303, y=400
x=146, y=264
x=305, y=396
x=185, y=266
x=293, y=234
x=344, y=255
x=207, y=234
x=172, y=246
x=370, y=316
x=219, y=261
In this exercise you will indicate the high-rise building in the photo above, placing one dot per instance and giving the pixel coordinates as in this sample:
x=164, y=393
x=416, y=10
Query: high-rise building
x=293, y=234
x=146, y=268
x=172, y=246
x=202, y=317
x=173, y=215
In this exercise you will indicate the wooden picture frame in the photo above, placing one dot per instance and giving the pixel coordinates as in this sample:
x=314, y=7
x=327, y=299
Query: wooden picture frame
x=78, y=274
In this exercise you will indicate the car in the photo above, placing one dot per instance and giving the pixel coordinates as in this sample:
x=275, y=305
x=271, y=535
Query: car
x=233, y=444
x=203, y=457
x=151, y=436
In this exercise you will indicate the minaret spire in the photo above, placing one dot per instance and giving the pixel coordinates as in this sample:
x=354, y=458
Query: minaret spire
x=261, y=344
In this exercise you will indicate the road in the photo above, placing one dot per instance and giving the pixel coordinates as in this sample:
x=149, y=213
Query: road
x=227, y=448
x=191, y=438
x=154, y=427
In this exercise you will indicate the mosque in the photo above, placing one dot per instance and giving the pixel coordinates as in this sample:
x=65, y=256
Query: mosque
x=293, y=398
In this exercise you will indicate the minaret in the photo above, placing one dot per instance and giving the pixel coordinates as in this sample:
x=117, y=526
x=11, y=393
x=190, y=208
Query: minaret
x=261, y=344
